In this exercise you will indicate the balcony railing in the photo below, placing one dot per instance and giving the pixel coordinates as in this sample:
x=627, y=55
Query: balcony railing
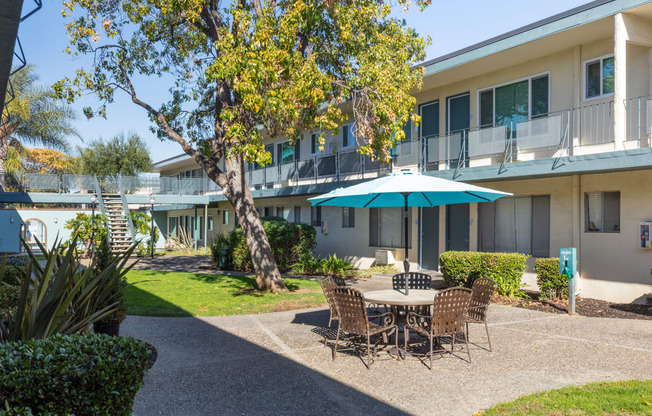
x=135, y=185
x=553, y=136
x=338, y=166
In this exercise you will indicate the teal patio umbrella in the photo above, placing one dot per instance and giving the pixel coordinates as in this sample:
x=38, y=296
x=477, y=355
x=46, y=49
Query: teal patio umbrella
x=406, y=189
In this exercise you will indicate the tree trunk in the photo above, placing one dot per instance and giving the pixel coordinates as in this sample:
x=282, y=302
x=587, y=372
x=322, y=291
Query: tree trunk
x=237, y=192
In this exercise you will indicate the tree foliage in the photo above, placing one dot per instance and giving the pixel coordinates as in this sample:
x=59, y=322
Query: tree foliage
x=126, y=155
x=37, y=118
x=247, y=70
x=44, y=160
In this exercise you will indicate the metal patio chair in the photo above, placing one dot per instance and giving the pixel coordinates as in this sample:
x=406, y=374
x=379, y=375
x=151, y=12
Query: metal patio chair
x=447, y=319
x=354, y=320
x=482, y=291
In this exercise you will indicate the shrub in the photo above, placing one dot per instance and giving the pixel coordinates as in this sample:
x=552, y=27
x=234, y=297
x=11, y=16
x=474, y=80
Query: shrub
x=288, y=241
x=9, y=296
x=506, y=269
x=78, y=374
x=18, y=261
x=552, y=284
x=462, y=268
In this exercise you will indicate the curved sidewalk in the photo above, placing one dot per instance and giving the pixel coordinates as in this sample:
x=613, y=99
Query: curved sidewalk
x=276, y=364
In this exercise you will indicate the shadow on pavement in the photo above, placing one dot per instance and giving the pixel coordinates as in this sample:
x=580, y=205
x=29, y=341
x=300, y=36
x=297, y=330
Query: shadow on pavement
x=205, y=369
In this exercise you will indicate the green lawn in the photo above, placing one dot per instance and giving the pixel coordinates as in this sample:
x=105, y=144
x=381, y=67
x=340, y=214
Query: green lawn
x=194, y=294
x=618, y=398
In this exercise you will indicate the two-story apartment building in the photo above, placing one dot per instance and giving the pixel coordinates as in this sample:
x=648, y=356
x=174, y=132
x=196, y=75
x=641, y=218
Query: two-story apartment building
x=559, y=113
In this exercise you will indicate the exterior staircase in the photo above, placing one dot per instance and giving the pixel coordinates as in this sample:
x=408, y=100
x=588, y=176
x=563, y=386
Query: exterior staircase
x=118, y=223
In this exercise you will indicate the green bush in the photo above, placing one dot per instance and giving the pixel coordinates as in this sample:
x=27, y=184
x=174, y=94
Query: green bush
x=288, y=241
x=18, y=261
x=459, y=268
x=12, y=275
x=462, y=268
x=552, y=284
x=506, y=269
x=78, y=374
x=9, y=296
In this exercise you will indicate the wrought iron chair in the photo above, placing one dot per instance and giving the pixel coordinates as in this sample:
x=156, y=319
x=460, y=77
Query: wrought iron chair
x=354, y=320
x=415, y=281
x=339, y=281
x=482, y=291
x=448, y=318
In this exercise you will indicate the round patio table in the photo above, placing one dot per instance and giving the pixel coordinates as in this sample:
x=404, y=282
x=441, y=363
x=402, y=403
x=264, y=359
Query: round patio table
x=416, y=297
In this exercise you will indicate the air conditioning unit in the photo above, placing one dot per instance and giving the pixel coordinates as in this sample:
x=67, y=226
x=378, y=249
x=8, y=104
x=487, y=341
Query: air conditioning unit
x=384, y=257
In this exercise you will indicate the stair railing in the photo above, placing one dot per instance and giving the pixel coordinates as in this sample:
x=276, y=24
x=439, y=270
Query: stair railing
x=100, y=200
x=125, y=209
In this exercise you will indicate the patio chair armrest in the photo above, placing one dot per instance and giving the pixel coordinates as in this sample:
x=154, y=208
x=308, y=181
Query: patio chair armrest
x=388, y=320
x=412, y=318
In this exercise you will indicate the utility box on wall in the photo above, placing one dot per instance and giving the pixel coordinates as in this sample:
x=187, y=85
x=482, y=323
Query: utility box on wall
x=644, y=235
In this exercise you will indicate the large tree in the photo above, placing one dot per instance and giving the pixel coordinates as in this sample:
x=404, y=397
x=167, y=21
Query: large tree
x=37, y=118
x=126, y=155
x=246, y=69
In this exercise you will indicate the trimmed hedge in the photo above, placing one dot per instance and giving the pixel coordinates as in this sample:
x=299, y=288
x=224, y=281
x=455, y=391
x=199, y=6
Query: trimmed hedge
x=551, y=283
x=288, y=241
x=76, y=374
x=462, y=268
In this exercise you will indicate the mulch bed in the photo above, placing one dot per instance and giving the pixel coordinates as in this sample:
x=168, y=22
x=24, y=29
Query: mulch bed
x=152, y=356
x=583, y=306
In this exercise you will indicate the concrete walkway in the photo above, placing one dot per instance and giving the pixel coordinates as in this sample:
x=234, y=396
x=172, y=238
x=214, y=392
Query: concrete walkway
x=276, y=364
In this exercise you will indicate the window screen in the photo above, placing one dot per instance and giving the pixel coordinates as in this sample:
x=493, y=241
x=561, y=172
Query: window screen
x=297, y=214
x=515, y=225
x=602, y=212
x=511, y=104
x=348, y=217
x=487, y=108
x=388, y=227
x=593, y=79
x=540, y=96
x=315, y=216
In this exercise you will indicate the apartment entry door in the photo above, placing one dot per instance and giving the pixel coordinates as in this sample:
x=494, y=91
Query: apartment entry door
x=429, y=242
x=458, y=121
x=457, y=227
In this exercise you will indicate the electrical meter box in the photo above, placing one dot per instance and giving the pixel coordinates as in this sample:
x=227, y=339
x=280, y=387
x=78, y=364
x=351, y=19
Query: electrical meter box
x=568, y=257
x=644, y=235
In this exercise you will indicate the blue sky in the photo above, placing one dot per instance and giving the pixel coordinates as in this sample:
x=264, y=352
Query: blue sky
x=452, y=25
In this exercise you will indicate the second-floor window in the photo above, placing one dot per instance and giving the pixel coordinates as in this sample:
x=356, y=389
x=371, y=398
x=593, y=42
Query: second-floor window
x=287, y=153
x=515, y=102
x=599, y=77
x=270, y=148
x=348, y=137
x=314, y=143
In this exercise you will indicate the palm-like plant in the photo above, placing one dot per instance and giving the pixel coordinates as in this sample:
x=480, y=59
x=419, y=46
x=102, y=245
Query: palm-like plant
x=37, y=117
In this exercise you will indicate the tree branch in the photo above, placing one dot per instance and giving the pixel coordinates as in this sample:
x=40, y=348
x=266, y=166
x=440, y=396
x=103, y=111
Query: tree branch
x=209, y=166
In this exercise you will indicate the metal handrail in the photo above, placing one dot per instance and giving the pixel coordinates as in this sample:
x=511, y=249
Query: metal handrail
x=125, y=209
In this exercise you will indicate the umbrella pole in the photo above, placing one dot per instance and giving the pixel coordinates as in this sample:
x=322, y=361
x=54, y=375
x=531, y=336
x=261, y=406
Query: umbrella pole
x=406, y=262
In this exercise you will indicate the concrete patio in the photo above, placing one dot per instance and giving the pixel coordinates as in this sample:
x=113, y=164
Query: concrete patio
x=276, y=364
